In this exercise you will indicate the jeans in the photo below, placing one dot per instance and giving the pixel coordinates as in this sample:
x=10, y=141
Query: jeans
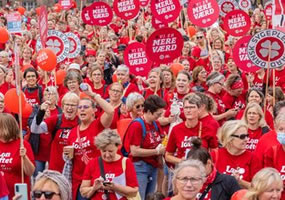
x=146, y=175
x=40, y=167
x=78, y=196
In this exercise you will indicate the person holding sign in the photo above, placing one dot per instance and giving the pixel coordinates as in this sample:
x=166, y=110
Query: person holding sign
x=11, y=154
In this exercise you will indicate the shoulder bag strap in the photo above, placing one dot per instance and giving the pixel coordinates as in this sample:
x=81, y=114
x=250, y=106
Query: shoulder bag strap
x=206, y=191
x=102, y=172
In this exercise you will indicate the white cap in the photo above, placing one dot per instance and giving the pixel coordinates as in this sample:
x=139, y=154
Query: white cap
x=74, y=66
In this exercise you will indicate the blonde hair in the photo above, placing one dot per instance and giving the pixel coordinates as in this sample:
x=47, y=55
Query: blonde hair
x=228, y=129
x=261, y=182
x=279, y=119
x=261, y=122
x=107, y=137
x=70, y=96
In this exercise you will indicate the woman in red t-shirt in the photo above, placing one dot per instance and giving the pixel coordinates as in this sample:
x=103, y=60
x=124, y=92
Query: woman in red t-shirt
x=199, y=75
x=4, y=86
x=275, y=156
x=135, y=105
x=119, y=173
x=233, y=158
x=168, y=80
x=154, y=84
x=254, y=118
x=11, y=153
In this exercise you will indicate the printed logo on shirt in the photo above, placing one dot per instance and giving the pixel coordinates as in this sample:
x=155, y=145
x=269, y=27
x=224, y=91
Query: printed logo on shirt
x=251, y=144
x=32, y=102
x=109, y=177
x=232, y=171
x=64, y=133
x=258, y=85
x=84, y=142
x=282, y=173
x=5, y=158
x=238, y=105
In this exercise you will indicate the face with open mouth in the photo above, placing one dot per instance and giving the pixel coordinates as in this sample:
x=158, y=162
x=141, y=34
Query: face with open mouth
x=182, y=83
x=85, y=110
x=70, y=108
x=153, y=79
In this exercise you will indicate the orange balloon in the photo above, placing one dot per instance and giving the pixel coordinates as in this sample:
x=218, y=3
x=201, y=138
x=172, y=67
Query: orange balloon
x=46, y=59
x=38, y=11
x=57, y=7
x=27, y=111
x=122, y=126
x=23, y=68
x=176, y=67
x=239, y=195
x=114, y=78
x=191, y=31
x=11, y=100
x=4, y=35
x=21, y=10
x=60, y=75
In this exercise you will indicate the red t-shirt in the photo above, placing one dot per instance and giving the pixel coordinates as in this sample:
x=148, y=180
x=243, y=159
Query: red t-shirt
x=10, y=163
x=258, y=82
x=265, y=143
x=152, y=139
x=3, y=186
x=45, y=142
x=279, y=79
x=161, y=93
x=59, y=140
x=245, y=164
x=275, y=157
x=234, y=102
x=84, y=150
x=210, y=128
x=5, y=87
x=221, y=107
x=254, y=136
x=113, y=173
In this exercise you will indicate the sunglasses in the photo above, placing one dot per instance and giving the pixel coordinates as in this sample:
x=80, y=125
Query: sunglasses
x=48, y=195
x=242, y=136
x=139, y=106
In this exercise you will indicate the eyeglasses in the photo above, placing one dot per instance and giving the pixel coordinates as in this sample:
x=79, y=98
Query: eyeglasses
x=242, y=136
x=116, y=91
x=70, y=105
x=139, y=106
x=71, y=82
x=83, y=106
x=199, y=37
x=48, y=195
x=96, y=74
x=31, y=76
x=193, y=180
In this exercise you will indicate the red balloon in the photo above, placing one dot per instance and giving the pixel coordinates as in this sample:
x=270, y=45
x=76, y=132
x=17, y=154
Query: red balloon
x=46, y=59
x=239, y=195
x=114, y=78
x=23, y=68
x=176, y=67
x=57, y=7
x=38, y=11
x=60, y=75
x=4, y=35
x=191, y=31
x=21, y=10
x=74, y=4
x=11, y=100
x=27, y=111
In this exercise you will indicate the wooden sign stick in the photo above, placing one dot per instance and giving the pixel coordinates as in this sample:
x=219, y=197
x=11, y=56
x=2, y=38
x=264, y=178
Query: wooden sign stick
x=267, y=75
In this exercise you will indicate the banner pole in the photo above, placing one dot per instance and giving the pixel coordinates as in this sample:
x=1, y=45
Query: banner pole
x=267, y=76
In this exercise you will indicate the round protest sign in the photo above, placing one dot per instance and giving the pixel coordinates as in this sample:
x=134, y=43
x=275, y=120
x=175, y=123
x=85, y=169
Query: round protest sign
x=165, y=10
x=86, y=16
x=100, y=13
x=58, y=42
x=267, y=45
x=136, y=59
x=164, y=45
x=244, y=4
x=237, y=23
x=74, y=45
x=126, y=9
x=268, y=10
x=157, y=24
x=203, y=13
x=144, y=3
x=240, y=55
x=227, y=6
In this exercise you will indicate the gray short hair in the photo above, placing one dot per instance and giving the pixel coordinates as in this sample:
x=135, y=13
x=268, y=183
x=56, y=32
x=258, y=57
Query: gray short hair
x=53, y=90
x=72, y=75
x=123, y=68
x=70, y=95
x=214, y=77
x=132, y=99
x=106, y=137
x=279, y=119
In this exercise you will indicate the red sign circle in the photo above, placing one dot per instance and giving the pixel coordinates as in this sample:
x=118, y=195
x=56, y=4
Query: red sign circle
x=268, y=10
x=144, y=3
x=136, y=59
x=157, y=24
x=240, y=55
x=165, y=10
x=277, y=49
x=164, y=45
x=86, y=18
x=100, y=13
x=126, y=9
x=244, y=4
x=227, y=6
x=203, y=13
x=237, y=23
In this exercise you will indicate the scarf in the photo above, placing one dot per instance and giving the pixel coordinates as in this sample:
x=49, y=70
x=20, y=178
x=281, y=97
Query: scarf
x=210, y=179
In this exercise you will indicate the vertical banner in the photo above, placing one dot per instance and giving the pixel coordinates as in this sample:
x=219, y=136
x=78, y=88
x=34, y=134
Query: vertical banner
x=14, y=22
x=43, y=25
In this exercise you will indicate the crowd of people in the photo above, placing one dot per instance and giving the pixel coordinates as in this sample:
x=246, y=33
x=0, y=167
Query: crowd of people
x=207, y=131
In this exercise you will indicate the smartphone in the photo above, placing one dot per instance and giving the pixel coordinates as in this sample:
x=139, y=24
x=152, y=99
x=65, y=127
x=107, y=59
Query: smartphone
x=22, y=189
x=83, y=86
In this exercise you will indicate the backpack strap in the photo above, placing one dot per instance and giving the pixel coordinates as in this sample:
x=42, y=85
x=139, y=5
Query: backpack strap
x=40, y=93
x=104, y=89
x=124, y=163
x=57, y=126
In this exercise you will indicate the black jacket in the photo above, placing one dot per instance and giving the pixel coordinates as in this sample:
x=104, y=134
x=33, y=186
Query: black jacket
x=224, y=186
